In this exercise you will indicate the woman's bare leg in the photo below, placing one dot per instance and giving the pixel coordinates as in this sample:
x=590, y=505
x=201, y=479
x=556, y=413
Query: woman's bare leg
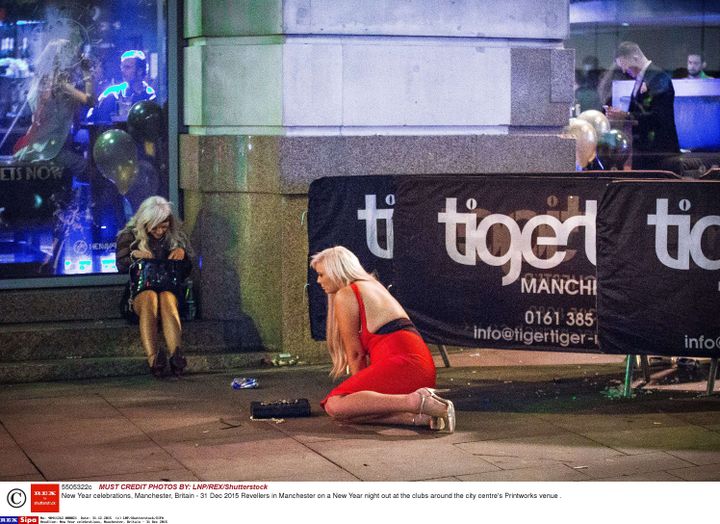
x=172, y=331
x=145, y=306
x=402, y=419
x=170, y=319
x=376, y=406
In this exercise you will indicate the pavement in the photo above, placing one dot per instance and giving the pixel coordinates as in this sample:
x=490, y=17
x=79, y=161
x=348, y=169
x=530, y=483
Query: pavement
x=522, y=416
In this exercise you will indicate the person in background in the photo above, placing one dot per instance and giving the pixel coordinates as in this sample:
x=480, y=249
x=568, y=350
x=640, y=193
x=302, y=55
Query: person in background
x=155, y=233
x=369, y=333
x=62, y=83
x=53, y=98
x=696, y=67
x=586, y=84
x=652, y=106
x=115, y=101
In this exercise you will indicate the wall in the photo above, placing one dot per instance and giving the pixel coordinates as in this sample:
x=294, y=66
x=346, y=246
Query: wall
x=279, y=93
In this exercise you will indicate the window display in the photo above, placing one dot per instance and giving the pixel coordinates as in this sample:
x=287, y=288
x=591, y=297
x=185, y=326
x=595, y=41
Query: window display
x=83, y=129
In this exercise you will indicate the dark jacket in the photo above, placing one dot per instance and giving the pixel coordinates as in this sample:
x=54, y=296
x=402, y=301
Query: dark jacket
x=655, y=134
x=160, y=249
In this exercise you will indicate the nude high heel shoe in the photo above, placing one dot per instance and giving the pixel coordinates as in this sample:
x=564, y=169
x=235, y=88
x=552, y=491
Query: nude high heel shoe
x=444, y=423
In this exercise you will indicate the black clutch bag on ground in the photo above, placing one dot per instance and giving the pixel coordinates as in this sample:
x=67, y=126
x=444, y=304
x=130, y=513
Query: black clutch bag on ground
x=280, y=409
x=158, y=275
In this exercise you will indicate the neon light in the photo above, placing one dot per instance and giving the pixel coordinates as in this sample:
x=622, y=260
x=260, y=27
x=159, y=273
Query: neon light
x=133, y=53
x=84, y=265
x=107, y=265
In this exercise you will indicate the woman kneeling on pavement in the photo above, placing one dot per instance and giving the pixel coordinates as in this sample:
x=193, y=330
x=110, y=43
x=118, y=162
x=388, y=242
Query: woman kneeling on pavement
x=369, y=333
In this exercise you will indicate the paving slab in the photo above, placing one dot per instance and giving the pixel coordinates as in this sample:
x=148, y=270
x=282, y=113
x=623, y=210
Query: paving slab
x=698, y=473
x=23, y=478
x=281, y=459
x=677, y=439
x=574, y=450
x=609, y=420
x=655, y=476
x=697, y=457
x=52, y=408
x=553, y=472
x=13, y=460
x=478, y=425
x=47, y=436
x=165, y=475
x=422, y=457
x=629, y=465
x=72, y=463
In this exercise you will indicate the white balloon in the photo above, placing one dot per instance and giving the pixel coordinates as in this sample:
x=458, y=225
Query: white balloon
x=586, y=139
x=597, y=119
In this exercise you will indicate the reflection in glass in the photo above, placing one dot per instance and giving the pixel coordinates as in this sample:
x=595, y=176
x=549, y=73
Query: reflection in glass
x=70, y=75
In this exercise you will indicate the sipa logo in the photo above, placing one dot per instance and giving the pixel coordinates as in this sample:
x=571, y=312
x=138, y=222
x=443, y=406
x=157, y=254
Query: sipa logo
x=551, y=232
x=689, y=237
x=372, y=217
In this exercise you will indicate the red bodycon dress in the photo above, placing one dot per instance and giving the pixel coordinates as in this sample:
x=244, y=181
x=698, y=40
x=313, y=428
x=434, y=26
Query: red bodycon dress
x=400, y=362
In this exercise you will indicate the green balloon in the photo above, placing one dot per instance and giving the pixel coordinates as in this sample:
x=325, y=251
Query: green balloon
x=144, y=120
x=115, y=155
x=613, y=149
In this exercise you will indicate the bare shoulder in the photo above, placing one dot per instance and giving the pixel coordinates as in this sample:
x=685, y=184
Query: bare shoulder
x=373, y=290
x=344, y=295
x=347, y=310
x=345, y=301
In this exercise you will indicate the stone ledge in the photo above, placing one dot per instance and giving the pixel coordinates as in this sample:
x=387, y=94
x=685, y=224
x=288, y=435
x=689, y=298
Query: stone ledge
x=114, y=338
x=60, y=304
x=479, y=18
x=287, y=165
x=74, y=369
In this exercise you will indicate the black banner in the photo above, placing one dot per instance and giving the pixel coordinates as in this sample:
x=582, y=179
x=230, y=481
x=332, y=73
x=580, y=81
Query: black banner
x=344, y=211
x=496, y=261
x=659, y=268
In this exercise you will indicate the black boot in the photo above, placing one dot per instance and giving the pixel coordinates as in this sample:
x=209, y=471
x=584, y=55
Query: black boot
x=158, y=367
x=178, y=363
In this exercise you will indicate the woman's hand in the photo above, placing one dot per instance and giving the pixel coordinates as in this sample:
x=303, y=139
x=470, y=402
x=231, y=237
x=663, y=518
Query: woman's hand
x=140, y=253
x=177, y=254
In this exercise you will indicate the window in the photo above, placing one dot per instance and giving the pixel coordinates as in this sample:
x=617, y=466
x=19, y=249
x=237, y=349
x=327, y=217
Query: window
x=83, y=130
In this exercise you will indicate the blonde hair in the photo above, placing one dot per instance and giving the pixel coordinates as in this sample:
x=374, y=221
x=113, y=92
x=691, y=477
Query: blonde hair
x=342, y=268
x=155, y=210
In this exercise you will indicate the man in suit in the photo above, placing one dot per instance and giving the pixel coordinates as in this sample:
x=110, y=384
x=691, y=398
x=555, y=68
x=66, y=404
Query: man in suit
x=651, y=106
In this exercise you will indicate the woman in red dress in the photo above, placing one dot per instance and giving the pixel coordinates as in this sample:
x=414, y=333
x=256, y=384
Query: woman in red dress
x=369, y=334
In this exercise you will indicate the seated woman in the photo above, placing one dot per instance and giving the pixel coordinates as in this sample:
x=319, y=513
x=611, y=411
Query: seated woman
x=155, y=233
x=370, y=333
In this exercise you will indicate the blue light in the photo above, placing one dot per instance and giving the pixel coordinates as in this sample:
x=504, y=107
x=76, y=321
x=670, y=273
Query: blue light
x=84, y=265
x=107, y=265
x=133, y=53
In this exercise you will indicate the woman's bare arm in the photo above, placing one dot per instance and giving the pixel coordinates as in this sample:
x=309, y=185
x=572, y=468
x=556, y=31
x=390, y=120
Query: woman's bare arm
x=347, y=316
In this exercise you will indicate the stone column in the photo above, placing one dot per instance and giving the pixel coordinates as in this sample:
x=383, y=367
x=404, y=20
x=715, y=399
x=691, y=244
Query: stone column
x=279, y=93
